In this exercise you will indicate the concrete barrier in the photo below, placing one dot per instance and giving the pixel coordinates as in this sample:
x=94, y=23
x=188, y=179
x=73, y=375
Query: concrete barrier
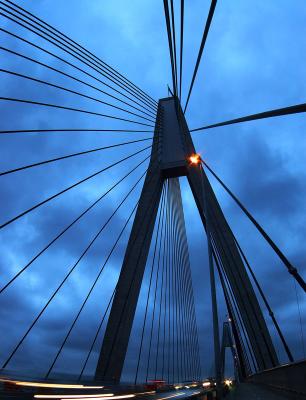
x=288, y=377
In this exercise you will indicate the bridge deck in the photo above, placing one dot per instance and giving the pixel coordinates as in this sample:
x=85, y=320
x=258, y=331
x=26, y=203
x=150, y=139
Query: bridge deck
x=23, y=393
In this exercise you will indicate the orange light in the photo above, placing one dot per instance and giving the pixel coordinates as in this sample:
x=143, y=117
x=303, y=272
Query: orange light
x=195, y=159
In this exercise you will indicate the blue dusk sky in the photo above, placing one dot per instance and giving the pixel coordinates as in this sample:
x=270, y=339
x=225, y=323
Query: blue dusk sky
x=254, y=60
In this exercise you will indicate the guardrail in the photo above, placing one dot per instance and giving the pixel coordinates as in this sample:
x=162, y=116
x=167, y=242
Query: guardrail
x=289, y=377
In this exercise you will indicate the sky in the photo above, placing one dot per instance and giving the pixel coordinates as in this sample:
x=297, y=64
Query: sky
x=253, y=61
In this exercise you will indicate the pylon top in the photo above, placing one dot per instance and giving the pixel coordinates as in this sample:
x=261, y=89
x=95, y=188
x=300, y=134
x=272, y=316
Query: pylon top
x=172, y=155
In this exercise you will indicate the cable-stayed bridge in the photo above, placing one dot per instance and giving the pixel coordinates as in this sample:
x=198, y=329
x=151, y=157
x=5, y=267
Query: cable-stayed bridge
x=147, y=150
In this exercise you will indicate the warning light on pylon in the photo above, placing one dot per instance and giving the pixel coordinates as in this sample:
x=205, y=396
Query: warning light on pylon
x=195, y=159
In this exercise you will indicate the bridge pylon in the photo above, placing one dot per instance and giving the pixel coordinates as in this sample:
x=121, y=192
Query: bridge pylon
x=171, y=150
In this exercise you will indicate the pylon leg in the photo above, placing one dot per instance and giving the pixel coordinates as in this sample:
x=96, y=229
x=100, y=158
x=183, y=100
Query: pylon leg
x=224, y=242
x=121, y=317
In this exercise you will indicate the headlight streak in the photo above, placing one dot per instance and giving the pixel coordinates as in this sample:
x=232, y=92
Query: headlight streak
x=74, y=396
x=97, y=396
x=51, y=385
x=106, y=396
x=173, y=395
x=151, y=392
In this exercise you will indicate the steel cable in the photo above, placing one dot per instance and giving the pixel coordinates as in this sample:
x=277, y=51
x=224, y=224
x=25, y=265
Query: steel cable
x=72, y=52
x=69, y=226
x=204, y=37
x=149, y=290
x=73, y=66
x=291, y=269
x=90, y=291
x=65, y=37
x=61, y=107
x=68, y=188
x=53, y=85
x=74, y=78
x=69, y=156
x=70, y=272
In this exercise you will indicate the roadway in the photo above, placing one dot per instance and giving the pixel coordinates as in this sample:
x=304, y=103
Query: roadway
x=48, y=391
x=13, y=390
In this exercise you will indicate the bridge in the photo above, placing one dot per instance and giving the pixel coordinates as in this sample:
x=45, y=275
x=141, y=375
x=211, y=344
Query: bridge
x=97, y=291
